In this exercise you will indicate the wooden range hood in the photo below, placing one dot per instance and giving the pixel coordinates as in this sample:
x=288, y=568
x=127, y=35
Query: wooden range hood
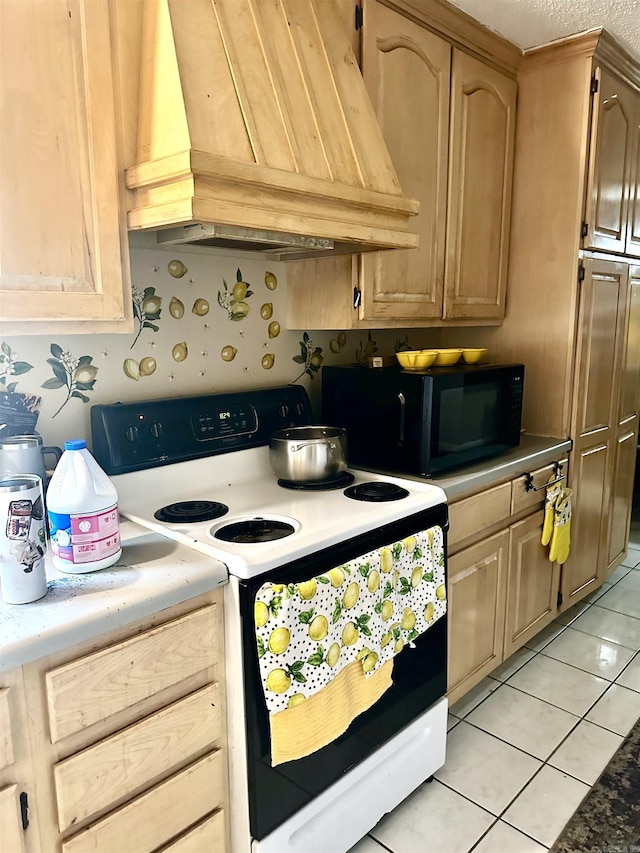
x=254, y=119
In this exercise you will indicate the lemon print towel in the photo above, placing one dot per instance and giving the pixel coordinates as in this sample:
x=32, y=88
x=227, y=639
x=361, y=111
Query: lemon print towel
x=325, y=645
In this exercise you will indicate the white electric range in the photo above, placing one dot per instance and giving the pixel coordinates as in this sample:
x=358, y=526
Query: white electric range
x=197, y=470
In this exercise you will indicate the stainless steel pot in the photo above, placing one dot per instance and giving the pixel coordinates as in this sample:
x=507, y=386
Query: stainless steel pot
x=308, y=454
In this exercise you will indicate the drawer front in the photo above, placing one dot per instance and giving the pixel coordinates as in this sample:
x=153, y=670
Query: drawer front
x=85, y=691
x=209, y=836
x=126, y=762
x=162, y=813
x=529, y=499
x=6, y=737
x=479, y=512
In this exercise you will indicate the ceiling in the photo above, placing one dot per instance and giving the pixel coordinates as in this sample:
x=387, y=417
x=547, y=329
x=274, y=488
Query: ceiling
x=528, y=23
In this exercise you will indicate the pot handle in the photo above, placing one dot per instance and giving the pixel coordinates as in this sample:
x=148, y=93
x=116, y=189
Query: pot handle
x=330, y=444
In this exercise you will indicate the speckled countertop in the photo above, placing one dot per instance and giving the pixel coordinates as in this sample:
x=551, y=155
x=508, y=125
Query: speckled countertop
x=153, y=573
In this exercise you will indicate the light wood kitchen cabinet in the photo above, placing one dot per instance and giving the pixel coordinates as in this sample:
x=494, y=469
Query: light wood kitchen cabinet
x=127, y=737
x=17, y=833
x=63, y=241
x=502, y=588
x=532, y=584
x=573, y=235
x=448, y=120
x=476, y=599
x=633, y=218
x=607, y=223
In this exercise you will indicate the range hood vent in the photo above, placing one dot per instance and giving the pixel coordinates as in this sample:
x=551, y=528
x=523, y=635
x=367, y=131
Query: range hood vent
x=256, y=132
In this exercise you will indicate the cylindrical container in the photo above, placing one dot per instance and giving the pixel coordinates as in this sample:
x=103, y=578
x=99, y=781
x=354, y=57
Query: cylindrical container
x=23, y=539
x=24, y=454
x=308, y=454
x=82, y=506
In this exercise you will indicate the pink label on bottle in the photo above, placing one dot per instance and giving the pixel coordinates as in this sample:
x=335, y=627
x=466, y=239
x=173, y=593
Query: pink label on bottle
x=88, y=537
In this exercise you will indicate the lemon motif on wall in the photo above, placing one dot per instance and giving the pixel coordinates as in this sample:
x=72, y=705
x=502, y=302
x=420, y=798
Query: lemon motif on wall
x=319, y=628
x=274, y=329
x=261, y=613
x=176, y=308
x=351, y=596
x=131, y=369
x=333, y=654
x=176, y=268
x=200, y=307
x=278, y=681
x=279, y=640
x=268, y=361
x=228, y=353
x=307, y=589
x=270, y=280
x=266, y=312
x=180, y=351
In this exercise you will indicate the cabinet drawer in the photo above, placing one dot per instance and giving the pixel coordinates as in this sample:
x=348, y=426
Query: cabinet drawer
x=522, y=499
x=85, y=691
x=479, y=512
x=162, y=813
x=208, y=835
x=125, y=763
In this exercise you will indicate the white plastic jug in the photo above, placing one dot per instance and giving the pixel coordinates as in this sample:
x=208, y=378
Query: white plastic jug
x=82, y=506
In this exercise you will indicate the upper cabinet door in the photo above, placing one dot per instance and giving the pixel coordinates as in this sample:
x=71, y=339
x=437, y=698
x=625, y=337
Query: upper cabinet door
x=483, y=104
x=610, y=164
x=406, y=70
x=633, y=221
x=63, y=244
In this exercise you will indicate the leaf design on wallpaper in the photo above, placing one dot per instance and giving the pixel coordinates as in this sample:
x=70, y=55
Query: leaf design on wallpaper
x=310, y=356
x=74, y=374
x=147, y=306
x=232, y=299
x=10, y=366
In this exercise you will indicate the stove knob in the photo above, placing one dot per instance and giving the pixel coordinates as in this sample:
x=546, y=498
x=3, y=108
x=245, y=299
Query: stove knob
x=156, y=430
x=300, y=409
x=284, y=410
x=131, y=433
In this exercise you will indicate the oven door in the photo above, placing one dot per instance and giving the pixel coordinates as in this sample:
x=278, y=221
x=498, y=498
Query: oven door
x=419, y=679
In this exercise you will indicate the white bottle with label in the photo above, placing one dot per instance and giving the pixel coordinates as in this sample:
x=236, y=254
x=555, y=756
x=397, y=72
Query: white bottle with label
x=82, y=506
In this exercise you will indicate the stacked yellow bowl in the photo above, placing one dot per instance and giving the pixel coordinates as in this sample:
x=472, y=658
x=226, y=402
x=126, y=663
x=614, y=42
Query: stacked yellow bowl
x=473, y=356
x=447, y=357
x=416, y=359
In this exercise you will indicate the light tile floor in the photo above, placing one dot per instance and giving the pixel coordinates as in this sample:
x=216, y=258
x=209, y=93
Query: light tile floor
x=527, y=743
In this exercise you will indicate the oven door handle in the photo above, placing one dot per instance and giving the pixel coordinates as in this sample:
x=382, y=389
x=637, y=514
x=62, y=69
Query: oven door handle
x=403, y=404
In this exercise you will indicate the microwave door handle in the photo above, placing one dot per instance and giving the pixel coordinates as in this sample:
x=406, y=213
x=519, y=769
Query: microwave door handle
x=403, y=402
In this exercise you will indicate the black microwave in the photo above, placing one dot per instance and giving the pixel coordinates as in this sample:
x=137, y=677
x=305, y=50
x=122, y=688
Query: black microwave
x=426, y=421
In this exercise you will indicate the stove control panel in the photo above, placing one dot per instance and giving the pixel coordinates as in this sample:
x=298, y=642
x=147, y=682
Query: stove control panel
x=148, y=433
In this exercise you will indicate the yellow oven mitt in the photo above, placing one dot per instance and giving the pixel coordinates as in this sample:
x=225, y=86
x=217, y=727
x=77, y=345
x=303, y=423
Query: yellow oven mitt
x=552, y=495
x=561, y=535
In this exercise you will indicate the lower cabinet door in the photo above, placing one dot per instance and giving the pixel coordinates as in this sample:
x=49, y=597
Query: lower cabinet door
x=476, y=595
x=11, y=832
x=622, y=492
x=532, y=584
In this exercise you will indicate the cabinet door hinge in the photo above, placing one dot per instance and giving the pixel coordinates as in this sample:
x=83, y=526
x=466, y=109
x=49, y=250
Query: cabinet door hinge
x=585, y=229
x=559, y=602
x=581, y=272
x=24, y=809
x=357, y=297
x=359, y=16
x=594, y=84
